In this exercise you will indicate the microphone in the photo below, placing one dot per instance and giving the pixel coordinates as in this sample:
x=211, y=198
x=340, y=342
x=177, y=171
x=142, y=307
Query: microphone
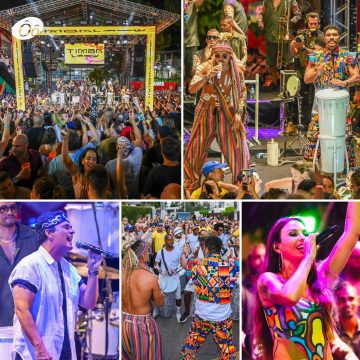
x=218, y=75
x=94, y=249
x=323, y=236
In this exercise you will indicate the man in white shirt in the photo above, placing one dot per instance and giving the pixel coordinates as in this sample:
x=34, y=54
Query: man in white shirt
x=179, y=240
x=169, y=259
x=47, y=291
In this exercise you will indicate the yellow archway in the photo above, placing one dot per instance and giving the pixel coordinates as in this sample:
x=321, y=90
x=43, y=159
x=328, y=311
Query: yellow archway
x=149, y=31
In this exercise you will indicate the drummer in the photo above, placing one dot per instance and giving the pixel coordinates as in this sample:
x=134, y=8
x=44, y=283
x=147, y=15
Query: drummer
x=169, y=260
x=330, y=68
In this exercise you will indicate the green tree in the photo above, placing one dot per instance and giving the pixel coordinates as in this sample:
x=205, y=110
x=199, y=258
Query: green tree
x=208, y=17
x=132, y=212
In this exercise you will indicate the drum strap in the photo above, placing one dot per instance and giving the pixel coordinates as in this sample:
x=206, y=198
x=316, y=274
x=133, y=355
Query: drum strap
x=163, y=258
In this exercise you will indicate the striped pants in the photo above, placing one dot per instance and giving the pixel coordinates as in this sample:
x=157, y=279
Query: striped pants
x=221, y=332
x=140, y=338
x=209, y=124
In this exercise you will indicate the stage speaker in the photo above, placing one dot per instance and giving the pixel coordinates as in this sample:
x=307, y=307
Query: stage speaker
x=139, y=61
x=28, y=60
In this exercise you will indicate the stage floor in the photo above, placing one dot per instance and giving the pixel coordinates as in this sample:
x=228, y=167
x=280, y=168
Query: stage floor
x=266, y=172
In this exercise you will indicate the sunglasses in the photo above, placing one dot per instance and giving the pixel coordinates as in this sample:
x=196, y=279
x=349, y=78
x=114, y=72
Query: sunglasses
x=5, y=209
x=224, y=56
x=212, y=37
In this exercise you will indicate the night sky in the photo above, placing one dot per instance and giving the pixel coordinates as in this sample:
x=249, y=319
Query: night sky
x=169, y=5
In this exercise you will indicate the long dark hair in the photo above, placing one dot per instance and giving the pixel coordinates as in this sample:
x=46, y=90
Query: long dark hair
x=81, y=166
x=318, y=287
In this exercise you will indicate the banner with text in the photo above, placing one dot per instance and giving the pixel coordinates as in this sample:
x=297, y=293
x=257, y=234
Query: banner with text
x=84, y=54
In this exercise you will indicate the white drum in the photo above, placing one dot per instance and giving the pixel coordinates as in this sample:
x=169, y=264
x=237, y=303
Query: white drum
x=6, y=341
x=96, y=338
x=332, y=106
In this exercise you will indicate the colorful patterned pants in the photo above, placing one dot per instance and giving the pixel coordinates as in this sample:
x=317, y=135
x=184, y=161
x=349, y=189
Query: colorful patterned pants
x=312, y=136
x=221, y=332
x=140, y=338
x=210, y=124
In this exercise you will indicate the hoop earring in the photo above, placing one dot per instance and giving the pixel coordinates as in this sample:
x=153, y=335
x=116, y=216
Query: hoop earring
x=281, y=263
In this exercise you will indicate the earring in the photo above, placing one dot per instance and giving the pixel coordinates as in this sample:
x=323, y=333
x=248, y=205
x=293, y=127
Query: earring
x=281, y=262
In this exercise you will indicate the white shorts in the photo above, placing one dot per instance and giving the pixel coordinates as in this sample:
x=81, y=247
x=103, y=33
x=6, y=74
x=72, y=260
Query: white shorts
x=190, y=286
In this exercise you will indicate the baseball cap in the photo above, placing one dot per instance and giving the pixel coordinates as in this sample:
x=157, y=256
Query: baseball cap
x=159, y=224
x=212, y=165
x=202, y=219
x=129, y=228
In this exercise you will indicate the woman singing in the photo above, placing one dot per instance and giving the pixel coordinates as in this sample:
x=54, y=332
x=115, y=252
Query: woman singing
x=295, y=306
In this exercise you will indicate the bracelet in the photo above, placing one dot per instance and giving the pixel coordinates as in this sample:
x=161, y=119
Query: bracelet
x=7, y=127
x=93, y=273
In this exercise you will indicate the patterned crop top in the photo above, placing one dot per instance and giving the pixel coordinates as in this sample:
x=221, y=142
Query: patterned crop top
x=301, y=324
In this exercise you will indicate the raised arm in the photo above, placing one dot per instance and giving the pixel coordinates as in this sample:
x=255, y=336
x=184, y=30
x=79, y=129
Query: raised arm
x=89, y=293
x=120, y=179
x=93, y=131
x=272, y=290
x=70, y=166
x=6, y=120
x=137, y=132
x=203, y=73
x=336, y=261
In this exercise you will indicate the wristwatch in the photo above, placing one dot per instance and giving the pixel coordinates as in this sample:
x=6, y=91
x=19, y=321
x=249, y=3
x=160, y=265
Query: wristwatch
x=93, y=273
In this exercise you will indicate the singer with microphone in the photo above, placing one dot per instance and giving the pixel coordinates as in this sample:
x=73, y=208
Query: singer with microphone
x=293, y=316
x=219, y=114
x=47, y=292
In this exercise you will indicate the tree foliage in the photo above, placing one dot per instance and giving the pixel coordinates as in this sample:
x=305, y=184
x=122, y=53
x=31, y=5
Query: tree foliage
x=208, y=17
x=133, y=212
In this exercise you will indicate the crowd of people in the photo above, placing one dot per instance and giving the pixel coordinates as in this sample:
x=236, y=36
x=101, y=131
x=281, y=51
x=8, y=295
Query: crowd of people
x=304, y=182
x=288, y=293
x=169, y=262
x=89, y=148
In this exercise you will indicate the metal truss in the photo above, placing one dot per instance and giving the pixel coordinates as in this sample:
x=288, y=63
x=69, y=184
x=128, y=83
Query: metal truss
x=123, y=9
x=344, y=14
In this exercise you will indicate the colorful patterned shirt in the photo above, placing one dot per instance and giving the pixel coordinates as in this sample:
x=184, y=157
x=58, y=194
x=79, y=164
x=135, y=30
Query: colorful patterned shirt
x=336, y=65
x=214, y=279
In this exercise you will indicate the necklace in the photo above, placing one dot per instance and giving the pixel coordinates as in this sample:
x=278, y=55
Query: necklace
x=9, y=241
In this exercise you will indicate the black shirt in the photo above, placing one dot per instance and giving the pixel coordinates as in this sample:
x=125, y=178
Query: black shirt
x=159, y=177
x=66, y=349
x=26, y=243
x=35, y=136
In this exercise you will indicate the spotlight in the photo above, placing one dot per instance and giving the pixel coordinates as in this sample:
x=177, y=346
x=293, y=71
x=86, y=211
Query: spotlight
x=42, y=42
x=118, y=42
x=105, y=41
x=62, y=41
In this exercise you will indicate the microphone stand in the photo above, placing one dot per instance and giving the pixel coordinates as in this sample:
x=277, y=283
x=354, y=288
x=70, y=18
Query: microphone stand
x=108, y=291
